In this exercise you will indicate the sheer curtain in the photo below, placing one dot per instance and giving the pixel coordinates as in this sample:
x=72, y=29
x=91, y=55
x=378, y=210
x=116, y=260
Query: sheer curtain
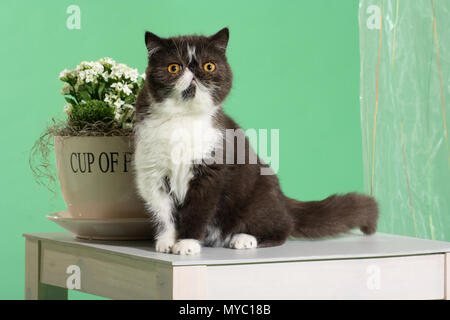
x=405, y=116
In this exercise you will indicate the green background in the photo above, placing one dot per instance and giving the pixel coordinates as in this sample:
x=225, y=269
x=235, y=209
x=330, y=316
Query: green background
x=295, y=64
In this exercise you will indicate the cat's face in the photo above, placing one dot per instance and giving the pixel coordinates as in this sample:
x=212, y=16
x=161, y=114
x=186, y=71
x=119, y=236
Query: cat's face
x=188, y=68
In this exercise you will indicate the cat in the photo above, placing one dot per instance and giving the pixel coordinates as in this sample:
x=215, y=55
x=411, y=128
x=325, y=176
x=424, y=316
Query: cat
x=193, y=195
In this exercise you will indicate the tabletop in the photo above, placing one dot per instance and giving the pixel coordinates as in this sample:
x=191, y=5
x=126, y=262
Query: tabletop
x=352, y=245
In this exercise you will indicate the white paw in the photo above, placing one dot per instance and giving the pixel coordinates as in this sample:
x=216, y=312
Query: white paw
x=243, y=241
x=164, y=245
x=186, y=247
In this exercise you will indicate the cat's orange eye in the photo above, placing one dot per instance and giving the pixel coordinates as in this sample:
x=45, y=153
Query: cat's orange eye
x=209, y=67
x=174, y=68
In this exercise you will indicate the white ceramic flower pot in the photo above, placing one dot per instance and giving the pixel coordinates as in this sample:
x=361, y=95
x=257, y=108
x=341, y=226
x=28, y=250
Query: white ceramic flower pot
x=96, y=177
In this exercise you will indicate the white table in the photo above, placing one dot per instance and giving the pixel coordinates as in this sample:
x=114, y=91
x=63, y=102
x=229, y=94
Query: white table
x=353, y=266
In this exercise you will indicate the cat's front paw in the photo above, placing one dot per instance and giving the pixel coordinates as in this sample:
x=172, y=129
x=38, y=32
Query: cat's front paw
x=187, y=247
x=243, y=241
x=165, y=245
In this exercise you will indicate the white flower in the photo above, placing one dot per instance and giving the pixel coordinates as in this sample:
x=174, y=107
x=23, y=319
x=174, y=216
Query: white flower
x=107, y=60
x=107, y=98
x=124, y=113
x=117, y=71
x=64, y=74
x=110, y=98
x=82, y=75
x=143, y=76
x=126, y=89
x=66, y=89
x=121, y=70
x=67, y=108
x=83, y=65
x=105, y=75
x=122, y=87
x=98, y=68
x=90, y=76
x=89, y=70
x=132, y=74
x=117, y=85
x=118, y=103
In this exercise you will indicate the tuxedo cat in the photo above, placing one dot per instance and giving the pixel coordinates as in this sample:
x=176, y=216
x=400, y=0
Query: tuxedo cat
x=188, y=173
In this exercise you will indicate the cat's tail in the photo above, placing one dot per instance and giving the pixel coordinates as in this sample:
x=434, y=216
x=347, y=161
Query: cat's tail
x=333, y=215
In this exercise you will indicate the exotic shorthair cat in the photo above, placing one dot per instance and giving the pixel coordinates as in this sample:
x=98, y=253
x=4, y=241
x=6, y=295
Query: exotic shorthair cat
x=187, y=171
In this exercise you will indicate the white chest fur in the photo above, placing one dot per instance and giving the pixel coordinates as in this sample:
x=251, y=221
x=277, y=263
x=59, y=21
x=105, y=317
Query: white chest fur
x=169, y=144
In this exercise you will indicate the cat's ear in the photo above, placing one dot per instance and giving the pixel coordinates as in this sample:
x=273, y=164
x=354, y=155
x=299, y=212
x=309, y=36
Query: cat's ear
x=220, y=39
x=153, y=42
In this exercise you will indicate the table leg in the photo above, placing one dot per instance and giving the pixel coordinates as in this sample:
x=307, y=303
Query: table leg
x=447, y=276
x=34, y=289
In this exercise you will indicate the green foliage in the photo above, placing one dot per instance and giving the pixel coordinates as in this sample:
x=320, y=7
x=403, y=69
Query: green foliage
x=90, y=112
